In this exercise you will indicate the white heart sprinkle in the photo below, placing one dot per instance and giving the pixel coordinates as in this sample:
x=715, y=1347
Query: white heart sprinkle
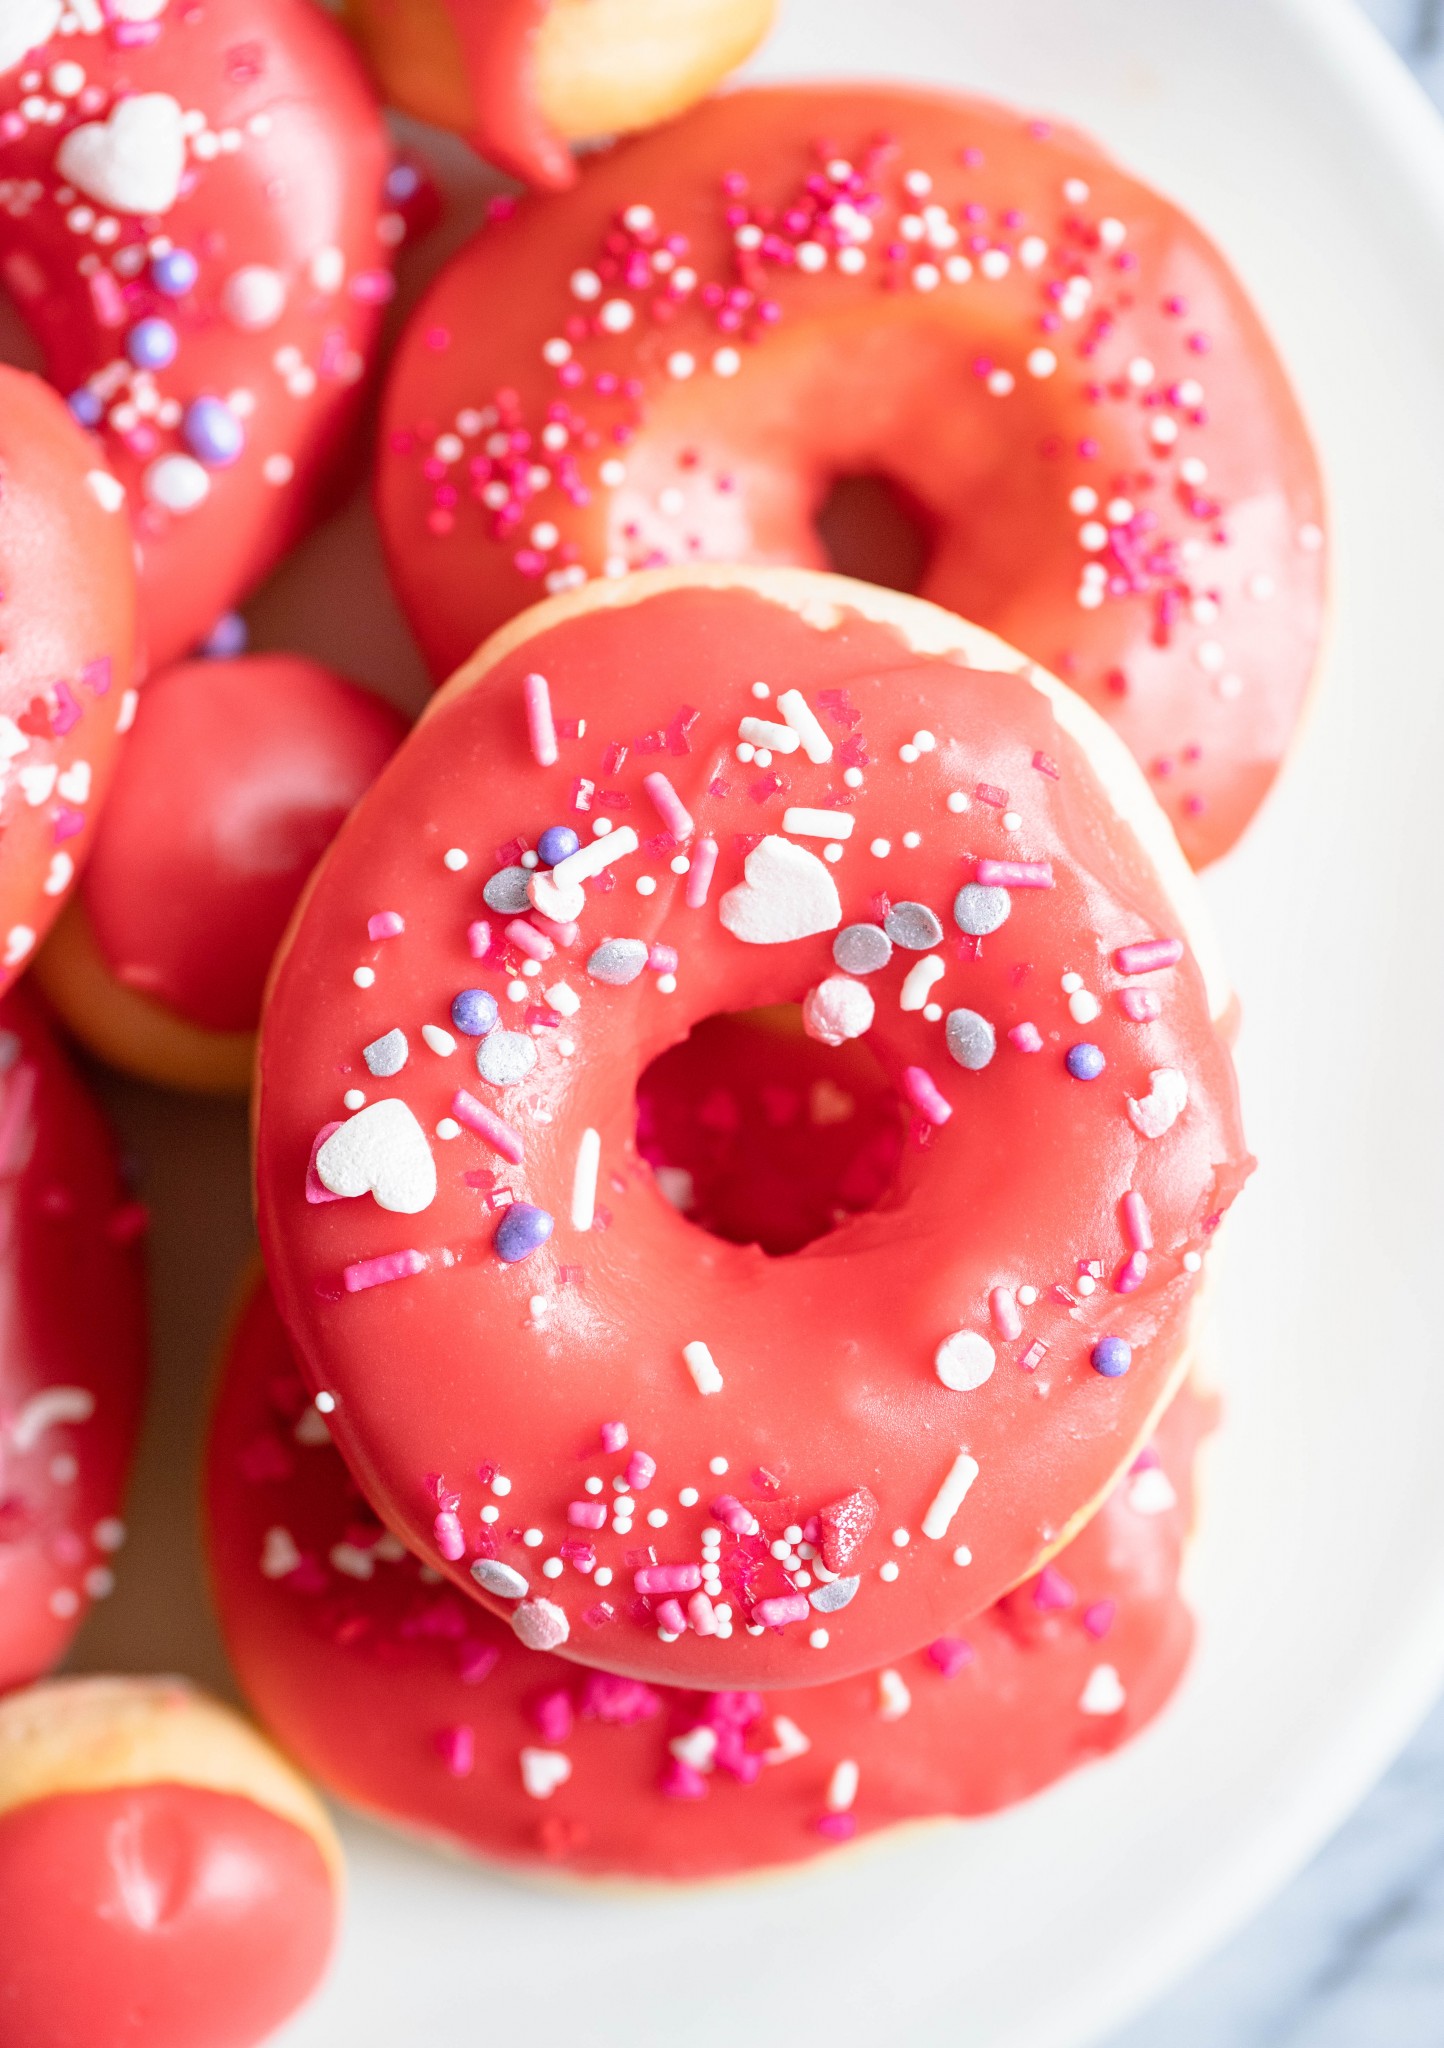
x=133, y=161
x=964, y=1360
x=1150, y=1492
x=697, y=1747
x=24, y=26
x=542, y=1770
x=279, y=1555
x=381, y=1151
x=36, y=783
x=107, y=490
x=1103, y=1694
x=1163, y=1105
x=74, y=784
x=787, y=894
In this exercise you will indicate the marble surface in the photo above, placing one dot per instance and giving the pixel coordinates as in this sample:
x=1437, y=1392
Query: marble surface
x=1352, y=1954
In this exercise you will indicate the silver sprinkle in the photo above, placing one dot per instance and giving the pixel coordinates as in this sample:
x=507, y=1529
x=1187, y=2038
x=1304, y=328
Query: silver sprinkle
x=505, y=1057
x=979, y=911
x=862, y=948
x=506, y=892
x=828, y=1599
x=495, y=1577
x=913, y=926
x=972, y=1040
x=618, y=961
x=386, y=1055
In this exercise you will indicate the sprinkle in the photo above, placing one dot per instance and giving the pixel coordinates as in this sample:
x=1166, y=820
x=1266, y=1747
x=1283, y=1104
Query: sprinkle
x=832, y=1598
x=474, y=1012
x=925, y=1096
x=354, y=1098
x=506, y=891
x=920, y=980
x=782, y=1609
x=842, y=1787
x=1112, y=1356
x=765, y=732
x=699, y=877
x=964, y=1361
x=1085, y=1062
x=543, y=1770
x=703, y=1368
x=541, y=728
x=386, y=1055
x=386, y=924
x=786, y=894
x=505, y=1057
x=1145, y=955
x=541, y=1625
x=800, y=716
x=618, y=962
x=613, y=1437
x=364, y=977
x=641, y=1471
x=667, y=1578
x=455, y=858
x=668, y=805
x=1026, y=1037
x=971, y=1039
x=862, y=948
x=477, y=1117
x=1140, y=1005
x=1004, y=1311
x=527, y=939
x=448, y=1128
x=563, y=998
x=381, y=1151
x=950, y=1496
x=838, y=1009
x=1103, y=1694
x=814, y=824
x=1137, y=1224
x=1084, y=1006
x=522, y=1228
x=978, y=910
x=1132, y=1273
x=590, y=860
x=441, y=1042
x=1015, y=874
x=584, y=1179
x=913, y=927
x=893, y=1697
x=376, y=1272
x=1161, y=1108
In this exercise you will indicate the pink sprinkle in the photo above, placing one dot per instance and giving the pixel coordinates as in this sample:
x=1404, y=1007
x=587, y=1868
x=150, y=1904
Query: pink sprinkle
x=681, y=1781
x=778, y=1612
x=1045, y=766
x=539, y=725
x=478, y=939
x=641, y=1471
x=729, y=1511
x=1027, y=1037
x=671, y=1618
x=1098, y=1618
x=316, y=1188
x=614, y=1437
x=563, y=935
x=587, y=1514
x=838, y=1827
x=106, y=299
x=477, y=1661
x=699, y=875
x=669, y=1578
x=923, y=1093
x=1015, y=874
x=376, y=1272
x=668, y=805
x=951, y=1655
x=457, y=1749
x=1033, y=1357
x=1051, y=1591
x=449, y=1538
x=386, y=924
x=1006, y=1320
x=701, y=1615
x=527, y=939
x=1132, y=1273
x=488, y=1125
x=552, y=1715
x=1140, y=1005
x=1136, y=1223
x=1147, y=954
x=662, y=959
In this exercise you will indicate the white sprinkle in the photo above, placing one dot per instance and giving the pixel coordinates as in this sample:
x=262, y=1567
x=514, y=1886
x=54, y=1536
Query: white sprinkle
x=765, y=732
x=441, y=1042
x=893, y=1697
x=590, y=860
x=703, y=1368
x=950, y=1496
x=881, y=847
x=354, y=1098
x=958, y=801
x=1103, y=1694
x=1041, y=362
x=364, y=977
x=1084, y=1006
x=920, y=980
x=562, y=997
x=801, y=717
x=616, y=316
x=542, y=1770
x=584, y=1179
x=811, y=824
x=819, y=1639
x=842, y=1787
x=726, y=362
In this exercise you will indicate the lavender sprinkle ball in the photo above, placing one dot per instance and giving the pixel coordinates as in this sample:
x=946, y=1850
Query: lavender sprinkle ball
x=558, y=842
x=523, y=1229
x=174, y=273
x=474, y=1012
x=1112, y=1356
x=1085, y=1062
x=213, y=433
x=152, y=344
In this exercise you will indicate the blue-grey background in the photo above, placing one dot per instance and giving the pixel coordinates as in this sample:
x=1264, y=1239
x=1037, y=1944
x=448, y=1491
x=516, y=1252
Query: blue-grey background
x=1352, y=1954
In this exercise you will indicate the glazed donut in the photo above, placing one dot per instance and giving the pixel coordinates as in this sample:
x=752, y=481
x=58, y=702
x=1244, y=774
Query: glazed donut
x=67, y=630
x=165, y=1878
x=524, y=78
x=1100, y=454
x=235, y=779
x=402, y=1698
x=526, y=1346
x=72, y=1347
x=190, y=224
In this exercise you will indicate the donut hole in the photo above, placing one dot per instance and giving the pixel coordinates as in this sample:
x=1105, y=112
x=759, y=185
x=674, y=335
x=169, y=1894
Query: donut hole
x=760, y=1135
x=874, y=528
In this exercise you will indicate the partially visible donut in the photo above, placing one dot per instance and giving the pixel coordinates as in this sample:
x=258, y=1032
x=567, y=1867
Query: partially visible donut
x=166, y=1881
x=190, y=223
x=404, y=1699
x=540, y=1371
x=798, y=287
x=522, y=79
x=72, y=1347
x=67, y=635
x=235, y=779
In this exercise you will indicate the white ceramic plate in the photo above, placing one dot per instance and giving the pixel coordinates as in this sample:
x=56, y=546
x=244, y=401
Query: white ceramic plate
x=1288, y=129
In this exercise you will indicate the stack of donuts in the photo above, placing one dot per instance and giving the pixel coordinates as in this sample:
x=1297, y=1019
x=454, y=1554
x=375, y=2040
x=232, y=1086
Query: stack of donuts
x=741, y=1089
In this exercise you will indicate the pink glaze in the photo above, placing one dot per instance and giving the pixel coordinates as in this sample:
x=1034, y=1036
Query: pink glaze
x=277, y=201
x=67, y=627
x=233, y=783
x=404, y=1698
x=72, y=1348
x=802, y=1378
x=1049, y=363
